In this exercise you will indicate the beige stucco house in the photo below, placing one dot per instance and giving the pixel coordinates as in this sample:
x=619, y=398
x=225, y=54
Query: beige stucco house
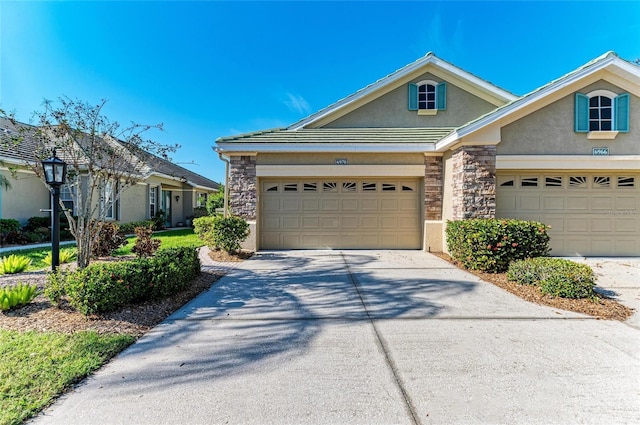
x=389, y=165
x=163, y=186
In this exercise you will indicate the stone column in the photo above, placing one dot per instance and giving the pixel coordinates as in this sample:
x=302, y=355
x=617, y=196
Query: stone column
x=433, y=187
x=474, y=182
x=243, y=186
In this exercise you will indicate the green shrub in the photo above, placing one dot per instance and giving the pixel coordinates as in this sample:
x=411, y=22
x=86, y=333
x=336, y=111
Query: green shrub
x=491, y=244
x=37, y=223
x=103, y=287
x=66, y=256
x=215, y=201
x=130, y=228
x=17, y=295
x=108, y=240
x=14, y=264
x=225, y=233
x=555, y=276
x=200, y=212
x=9, y=225
x=203, y=227
x=145, y=245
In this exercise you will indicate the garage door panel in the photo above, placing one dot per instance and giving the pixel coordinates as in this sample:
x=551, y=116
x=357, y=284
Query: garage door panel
x=529, y=203
x=629, y=224
x=271, y=205
x=310, y=205
x=589, y=213
x=553, y=203
x=289, y=205
x=389, y=205
x=311, y=222
x=330, y=222
x=601, y=203
x=626, y=203
x=290, y=222
x=349, y=213
x=601, y=225
x=350, y=222
x=329, y=204
x=580, y=203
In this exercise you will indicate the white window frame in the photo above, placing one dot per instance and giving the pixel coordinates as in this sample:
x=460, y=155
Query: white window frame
x=600, y=94
x=107, y=200
x=423, y=105
x=153, y=201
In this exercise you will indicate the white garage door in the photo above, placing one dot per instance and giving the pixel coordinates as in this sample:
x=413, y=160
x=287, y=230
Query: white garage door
x=340, y=213
x=589, y=213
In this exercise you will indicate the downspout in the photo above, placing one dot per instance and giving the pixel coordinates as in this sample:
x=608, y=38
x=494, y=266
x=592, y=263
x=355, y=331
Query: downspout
x=226, y=184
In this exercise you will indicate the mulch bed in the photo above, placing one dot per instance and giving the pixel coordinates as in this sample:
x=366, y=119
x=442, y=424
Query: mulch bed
x=41, y=315
x=602, y=308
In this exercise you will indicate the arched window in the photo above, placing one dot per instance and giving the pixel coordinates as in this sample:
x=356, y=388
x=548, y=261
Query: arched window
x=427, y=95
x=601, y=110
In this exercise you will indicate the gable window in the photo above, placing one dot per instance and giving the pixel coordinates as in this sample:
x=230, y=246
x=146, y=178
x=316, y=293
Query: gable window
x=601, y=113
x=427, y=96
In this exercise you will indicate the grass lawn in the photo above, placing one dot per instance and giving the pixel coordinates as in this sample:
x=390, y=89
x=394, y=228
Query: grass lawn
x=169, y=238
x=36, y=367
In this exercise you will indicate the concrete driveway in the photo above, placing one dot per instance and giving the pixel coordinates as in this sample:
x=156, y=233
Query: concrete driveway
x=364, y=337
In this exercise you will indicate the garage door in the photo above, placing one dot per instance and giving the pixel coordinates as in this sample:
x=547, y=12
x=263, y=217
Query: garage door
x=340, y=213
x=589, y=213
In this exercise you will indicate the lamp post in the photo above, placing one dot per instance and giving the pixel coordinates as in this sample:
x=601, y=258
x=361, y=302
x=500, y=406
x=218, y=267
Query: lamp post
x=55, y=174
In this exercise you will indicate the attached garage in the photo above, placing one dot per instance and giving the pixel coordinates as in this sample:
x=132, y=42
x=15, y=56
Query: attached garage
x=321, y=213
x=590, y=213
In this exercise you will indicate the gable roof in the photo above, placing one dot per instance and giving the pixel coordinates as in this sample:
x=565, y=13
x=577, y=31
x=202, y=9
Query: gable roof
x=428, y=63
x=150, y=164
x=618, y=69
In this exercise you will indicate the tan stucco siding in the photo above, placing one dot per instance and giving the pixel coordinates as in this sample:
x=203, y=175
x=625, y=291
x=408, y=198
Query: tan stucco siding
x=330, y=158
x=391, y=110
x=134, y=203
x=25, y=198
x=447, y=195
x=550, y=130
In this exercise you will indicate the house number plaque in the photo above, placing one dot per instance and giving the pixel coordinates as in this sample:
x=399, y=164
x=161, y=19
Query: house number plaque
x=600, y=151
x=342, y=161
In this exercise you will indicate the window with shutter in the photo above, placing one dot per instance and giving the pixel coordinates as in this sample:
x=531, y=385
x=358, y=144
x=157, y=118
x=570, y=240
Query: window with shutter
x=427, y=96
x=601, y=113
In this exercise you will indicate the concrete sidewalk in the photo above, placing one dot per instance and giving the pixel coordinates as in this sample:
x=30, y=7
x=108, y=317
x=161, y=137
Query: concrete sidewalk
x=364, y=337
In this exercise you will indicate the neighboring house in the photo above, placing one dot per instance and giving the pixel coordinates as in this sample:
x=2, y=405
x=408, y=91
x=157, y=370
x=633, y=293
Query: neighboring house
x=389, y=165
x=163, y=186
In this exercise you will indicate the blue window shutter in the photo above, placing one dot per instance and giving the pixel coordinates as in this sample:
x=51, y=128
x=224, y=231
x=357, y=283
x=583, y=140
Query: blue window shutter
x=581, y=113
x=621, y=108
x=413, y=97
x=441, y=96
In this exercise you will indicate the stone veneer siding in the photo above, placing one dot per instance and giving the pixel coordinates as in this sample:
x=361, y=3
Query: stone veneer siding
x=433, y=187
x=474, y=182
x=243, y=186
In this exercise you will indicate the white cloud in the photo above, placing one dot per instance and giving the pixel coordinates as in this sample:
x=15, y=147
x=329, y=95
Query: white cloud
x=297, y=103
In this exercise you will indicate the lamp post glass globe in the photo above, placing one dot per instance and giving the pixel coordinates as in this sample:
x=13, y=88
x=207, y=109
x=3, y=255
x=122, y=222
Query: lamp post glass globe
x=55, y=174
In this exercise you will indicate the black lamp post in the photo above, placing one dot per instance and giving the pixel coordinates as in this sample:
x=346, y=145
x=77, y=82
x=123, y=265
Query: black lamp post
x=55, y=174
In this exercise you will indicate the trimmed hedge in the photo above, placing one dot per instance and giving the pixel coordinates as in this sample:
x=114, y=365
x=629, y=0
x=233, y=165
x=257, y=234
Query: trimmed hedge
x=103, y=287
x=491, y=244
x=219, y=232
x=555, y=276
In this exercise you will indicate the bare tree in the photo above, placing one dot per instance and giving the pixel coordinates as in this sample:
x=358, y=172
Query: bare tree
x=104, y=160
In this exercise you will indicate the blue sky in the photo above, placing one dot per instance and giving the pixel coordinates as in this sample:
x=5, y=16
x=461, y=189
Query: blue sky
x=208, y=69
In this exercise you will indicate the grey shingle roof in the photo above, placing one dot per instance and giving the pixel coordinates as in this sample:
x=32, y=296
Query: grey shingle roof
x=24, y=151
x=343, y=135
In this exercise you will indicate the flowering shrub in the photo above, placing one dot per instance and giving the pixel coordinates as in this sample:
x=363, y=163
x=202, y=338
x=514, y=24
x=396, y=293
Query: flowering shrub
x=491, y=244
